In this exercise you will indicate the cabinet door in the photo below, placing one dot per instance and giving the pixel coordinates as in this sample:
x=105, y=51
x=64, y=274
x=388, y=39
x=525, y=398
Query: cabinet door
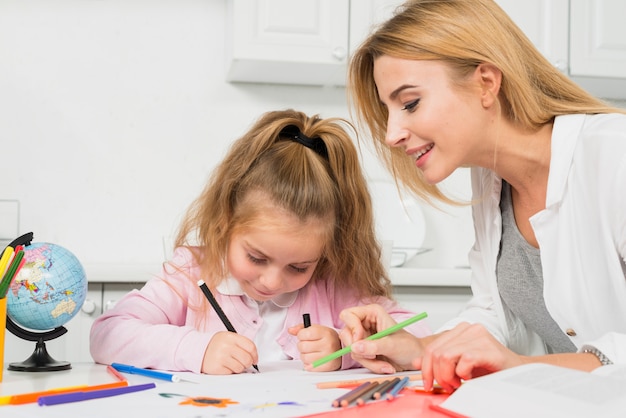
x=365, y=15
x=545, y=23
x=287, y=41
x=598, y=38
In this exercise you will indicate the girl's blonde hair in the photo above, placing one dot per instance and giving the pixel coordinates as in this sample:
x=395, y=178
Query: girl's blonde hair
x=325, y=183
x=463, y=34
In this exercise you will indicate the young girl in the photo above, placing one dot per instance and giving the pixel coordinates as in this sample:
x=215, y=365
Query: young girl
x=284, y=227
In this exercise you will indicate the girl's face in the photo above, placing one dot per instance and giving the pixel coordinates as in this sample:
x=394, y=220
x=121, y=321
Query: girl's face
x=440, y=126
x=277, y=256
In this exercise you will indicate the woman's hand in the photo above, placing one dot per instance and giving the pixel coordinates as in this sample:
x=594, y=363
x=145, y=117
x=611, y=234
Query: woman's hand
x=387, y=355
x=315, y=342
x=464, y=352
x=229, y=353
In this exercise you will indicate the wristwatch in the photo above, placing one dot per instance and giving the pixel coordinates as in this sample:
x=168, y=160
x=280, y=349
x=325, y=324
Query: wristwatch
x=599, y=354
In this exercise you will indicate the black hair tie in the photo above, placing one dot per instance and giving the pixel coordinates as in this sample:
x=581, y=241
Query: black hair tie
x=316, y=144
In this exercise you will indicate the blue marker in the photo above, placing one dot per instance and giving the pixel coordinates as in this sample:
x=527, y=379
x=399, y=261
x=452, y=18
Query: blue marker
x=145, y=372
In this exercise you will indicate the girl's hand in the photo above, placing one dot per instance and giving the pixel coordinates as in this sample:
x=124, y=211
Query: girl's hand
x=390, y=354
x=462, y=353
x=229, y=353
x=316, y=342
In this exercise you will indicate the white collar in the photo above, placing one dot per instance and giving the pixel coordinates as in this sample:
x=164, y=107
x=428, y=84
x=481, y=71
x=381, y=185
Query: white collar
x=231, y=287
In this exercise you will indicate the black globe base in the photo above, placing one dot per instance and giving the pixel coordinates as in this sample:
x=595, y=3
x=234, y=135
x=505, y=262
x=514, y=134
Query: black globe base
x=40, y=361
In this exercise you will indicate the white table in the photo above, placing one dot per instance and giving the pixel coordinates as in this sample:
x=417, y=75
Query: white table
x=282, y=389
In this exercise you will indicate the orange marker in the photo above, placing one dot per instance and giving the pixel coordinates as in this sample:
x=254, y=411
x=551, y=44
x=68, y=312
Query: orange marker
x=32, y=397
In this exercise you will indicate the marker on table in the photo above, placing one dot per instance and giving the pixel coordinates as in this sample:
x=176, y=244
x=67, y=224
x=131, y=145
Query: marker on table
x=31, y=397
x=96, y=394
x=115, y=373
x=146, y=372
x=376, y=336
x=218, y=309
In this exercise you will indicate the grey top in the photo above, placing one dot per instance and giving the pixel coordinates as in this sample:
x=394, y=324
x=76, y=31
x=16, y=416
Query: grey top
x=520, y=281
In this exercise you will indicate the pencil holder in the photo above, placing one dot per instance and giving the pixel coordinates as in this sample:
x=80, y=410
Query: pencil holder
x=3, y=324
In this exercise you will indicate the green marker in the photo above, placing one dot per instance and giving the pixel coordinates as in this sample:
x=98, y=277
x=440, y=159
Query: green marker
x=376, y=336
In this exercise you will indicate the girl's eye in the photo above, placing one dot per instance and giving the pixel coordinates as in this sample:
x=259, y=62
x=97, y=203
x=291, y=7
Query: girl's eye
x=255, y=260
x=411, y=106
x=299, y=269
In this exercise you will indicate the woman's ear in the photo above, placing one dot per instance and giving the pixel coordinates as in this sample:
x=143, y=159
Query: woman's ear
x=490, y=79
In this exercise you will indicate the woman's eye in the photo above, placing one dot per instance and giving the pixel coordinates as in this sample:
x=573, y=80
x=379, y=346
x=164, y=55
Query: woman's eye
x=411, y=106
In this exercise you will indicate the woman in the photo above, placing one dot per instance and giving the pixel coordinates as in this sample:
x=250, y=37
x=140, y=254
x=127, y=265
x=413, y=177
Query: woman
x=455, y=83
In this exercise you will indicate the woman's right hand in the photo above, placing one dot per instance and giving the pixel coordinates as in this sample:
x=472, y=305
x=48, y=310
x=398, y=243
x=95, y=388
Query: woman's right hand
x=229, y=353
x=390, y=354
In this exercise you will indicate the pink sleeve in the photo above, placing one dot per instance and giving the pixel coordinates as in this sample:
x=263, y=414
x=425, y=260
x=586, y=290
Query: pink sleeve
x=152, y=327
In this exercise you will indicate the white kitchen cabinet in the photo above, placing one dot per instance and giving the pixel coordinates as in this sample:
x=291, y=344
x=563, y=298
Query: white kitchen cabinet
x=598, y=46
x=287, y=41
x=74, y=345
x=546, y=24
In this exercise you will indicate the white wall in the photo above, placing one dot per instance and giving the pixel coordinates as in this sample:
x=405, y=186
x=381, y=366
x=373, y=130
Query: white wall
x=113, y=113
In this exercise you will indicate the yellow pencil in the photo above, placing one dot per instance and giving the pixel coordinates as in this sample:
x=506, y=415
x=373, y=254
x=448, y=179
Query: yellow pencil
x=4, y=261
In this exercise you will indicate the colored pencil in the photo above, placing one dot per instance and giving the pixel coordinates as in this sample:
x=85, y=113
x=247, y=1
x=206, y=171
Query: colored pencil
x=385, y=387
x=218, y=309
x=356, y=394
x=355, y=382
x=361, y=400
x=376, y=336
x=337, y=402
x=396, y=389
x=95, y=394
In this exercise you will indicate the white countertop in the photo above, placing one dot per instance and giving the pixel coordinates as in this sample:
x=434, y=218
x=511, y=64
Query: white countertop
x=400, y=276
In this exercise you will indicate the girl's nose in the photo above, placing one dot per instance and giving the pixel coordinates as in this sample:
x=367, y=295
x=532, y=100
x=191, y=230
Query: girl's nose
x=271, y=279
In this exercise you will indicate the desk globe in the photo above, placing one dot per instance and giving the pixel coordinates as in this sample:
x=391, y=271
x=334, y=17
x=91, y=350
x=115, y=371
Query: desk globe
x=48, y=291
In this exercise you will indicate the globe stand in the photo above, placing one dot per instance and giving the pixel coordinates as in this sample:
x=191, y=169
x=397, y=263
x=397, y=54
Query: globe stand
x=40, y=360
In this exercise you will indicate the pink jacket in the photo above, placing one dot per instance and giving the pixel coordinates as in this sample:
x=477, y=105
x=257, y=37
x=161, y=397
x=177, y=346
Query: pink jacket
x=168, y=323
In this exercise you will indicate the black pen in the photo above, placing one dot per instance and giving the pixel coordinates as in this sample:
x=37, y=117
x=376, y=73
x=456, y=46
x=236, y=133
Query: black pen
x=306, y=319
x=218, y=310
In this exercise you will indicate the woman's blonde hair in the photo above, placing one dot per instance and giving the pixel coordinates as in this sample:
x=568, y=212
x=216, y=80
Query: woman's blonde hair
x=463, y=34
x=321, y=181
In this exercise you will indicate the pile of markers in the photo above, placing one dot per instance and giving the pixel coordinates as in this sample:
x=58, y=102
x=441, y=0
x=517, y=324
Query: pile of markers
x=372, y=391
x=11, y=262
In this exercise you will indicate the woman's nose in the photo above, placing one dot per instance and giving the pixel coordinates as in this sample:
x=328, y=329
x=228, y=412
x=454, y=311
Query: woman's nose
x=396, y=135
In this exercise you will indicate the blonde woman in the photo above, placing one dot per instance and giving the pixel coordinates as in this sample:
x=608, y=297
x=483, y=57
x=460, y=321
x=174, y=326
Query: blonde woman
x=455, y=83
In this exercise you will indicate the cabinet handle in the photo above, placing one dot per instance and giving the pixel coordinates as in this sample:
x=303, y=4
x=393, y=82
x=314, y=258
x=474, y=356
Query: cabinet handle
x=89, y=307
x=109, y=304
x=339, y=53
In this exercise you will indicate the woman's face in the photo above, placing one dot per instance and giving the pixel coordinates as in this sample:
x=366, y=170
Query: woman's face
x=277, y=256
x=439, y=125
